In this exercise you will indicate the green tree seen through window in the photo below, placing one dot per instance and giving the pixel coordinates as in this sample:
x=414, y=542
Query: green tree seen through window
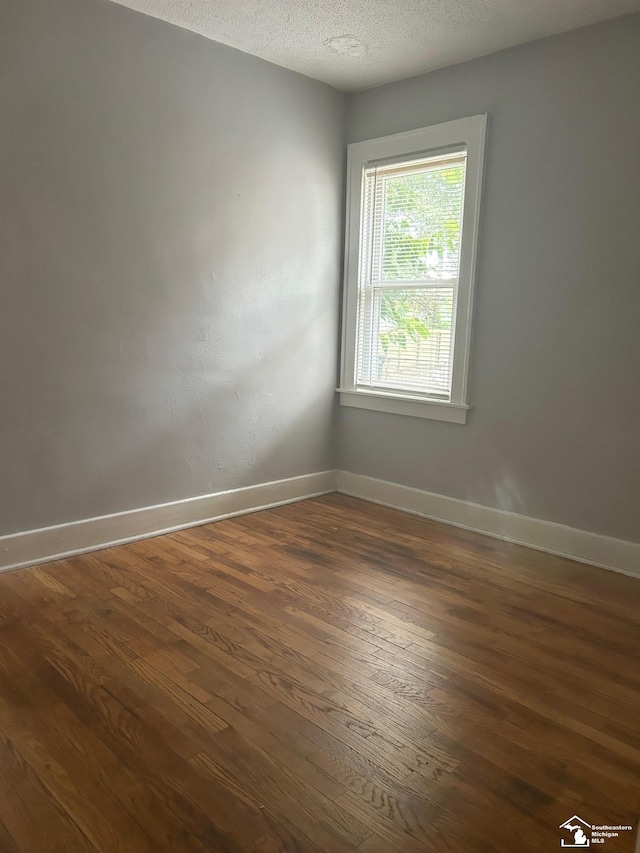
x=421, y=227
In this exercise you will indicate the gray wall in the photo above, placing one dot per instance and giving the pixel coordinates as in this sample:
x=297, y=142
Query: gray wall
x=170, y=229
x=555, y=428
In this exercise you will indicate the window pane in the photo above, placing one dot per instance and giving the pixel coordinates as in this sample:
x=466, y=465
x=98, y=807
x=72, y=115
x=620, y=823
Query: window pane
x=418, y=225
x=410, y=344
x=408, y=275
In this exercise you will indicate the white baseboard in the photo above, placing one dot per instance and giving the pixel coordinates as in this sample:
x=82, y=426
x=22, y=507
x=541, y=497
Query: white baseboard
x=603, y=551
x=91, y=534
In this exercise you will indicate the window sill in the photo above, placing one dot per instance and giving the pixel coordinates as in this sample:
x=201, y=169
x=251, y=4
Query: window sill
x=416, y=407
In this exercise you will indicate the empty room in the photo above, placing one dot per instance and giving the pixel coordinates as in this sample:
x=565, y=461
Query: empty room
x=319, y=426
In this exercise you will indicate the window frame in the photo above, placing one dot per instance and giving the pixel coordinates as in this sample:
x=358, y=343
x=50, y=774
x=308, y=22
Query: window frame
x=471, y=133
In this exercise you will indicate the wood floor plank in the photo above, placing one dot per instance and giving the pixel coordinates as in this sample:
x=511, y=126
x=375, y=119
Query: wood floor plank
x=33, y=817
x=323, y=677
x=279, y=787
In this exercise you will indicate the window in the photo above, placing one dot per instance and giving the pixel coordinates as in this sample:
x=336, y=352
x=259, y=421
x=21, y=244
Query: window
x=412, y=221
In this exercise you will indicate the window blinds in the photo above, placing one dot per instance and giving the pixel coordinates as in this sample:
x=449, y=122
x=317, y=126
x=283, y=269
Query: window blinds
x=409, y=267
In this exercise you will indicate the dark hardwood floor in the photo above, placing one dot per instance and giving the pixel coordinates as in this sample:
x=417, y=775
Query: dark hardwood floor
x=326, y=676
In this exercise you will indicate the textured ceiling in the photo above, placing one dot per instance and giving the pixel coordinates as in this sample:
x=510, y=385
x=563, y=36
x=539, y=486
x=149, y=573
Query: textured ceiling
x=354, y=44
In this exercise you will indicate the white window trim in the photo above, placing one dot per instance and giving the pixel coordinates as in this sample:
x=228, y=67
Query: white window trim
x=470, y=132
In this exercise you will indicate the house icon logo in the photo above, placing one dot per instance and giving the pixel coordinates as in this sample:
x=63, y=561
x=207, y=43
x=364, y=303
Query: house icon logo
x=578, y=830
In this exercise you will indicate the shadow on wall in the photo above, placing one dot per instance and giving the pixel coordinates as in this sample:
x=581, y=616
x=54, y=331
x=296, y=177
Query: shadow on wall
x=176, y=420
x=225, y=392
x=170, y=265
